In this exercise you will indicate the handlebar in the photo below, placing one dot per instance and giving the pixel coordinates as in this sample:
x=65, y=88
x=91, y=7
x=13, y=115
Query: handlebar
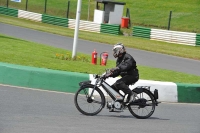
x=96, y=76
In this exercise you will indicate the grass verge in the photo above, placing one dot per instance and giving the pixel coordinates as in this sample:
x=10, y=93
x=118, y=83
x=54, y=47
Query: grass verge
x=129, y=41
x=17, y=51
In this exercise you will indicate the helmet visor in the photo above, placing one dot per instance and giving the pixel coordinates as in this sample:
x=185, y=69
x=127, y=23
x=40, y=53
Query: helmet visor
x=115, y=52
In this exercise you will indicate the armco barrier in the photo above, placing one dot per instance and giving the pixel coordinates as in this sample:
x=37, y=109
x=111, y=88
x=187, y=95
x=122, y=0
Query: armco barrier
x=54, y=20
x=198, y=40
x=177, y=37
x=8, y=11
x=85, y=25
x=30, y=15
x=63, y=81
x=110, y=29
x=65, y=22
x=141, y=32
x=3, y=10
x=173, y=36
x=105, y=28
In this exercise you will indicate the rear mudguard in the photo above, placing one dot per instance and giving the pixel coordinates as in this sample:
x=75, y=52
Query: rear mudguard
x=140, y=89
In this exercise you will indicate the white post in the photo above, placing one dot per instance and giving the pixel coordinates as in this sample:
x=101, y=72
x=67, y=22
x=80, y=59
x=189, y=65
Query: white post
x=78, y=13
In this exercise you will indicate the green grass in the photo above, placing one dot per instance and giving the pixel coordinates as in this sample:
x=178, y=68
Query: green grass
x=17, y=51
x=148, y=13
x=155, y=13
x=129, y=41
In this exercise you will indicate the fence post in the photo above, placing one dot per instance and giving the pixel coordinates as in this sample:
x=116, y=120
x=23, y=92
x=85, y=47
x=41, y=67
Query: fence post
x=128, y=15
x=88, y=11
x=45, y=6
x=68, y=9
x=26, y=5
x=7, y=3
x=170, y=15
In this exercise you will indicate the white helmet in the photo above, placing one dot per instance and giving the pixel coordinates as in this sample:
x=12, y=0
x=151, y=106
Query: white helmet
x=118, y=49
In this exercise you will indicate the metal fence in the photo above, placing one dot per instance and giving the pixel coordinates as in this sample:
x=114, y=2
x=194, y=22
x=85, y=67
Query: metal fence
x=182, y=20
x=60, y=8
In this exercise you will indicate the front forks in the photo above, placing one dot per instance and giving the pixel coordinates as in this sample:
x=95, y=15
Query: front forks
x=95, y=85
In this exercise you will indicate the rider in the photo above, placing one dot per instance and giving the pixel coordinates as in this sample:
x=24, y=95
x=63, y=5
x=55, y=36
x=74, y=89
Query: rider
x=125, y=67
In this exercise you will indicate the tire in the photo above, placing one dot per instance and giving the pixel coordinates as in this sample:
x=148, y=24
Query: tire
x=89, y=106
x=145, y=105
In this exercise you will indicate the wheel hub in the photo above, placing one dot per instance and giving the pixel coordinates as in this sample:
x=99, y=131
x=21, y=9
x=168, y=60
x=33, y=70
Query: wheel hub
x=89, y=100
x=142, y=102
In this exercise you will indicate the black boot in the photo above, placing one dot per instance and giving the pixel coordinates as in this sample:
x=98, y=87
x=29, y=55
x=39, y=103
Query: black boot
x=130, y=97
x=126, y=90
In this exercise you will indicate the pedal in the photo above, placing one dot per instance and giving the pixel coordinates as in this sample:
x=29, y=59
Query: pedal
x=115, y=110
x=111, y=110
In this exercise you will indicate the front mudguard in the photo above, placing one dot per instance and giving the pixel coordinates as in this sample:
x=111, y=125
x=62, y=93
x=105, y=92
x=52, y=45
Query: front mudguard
x=85, y=82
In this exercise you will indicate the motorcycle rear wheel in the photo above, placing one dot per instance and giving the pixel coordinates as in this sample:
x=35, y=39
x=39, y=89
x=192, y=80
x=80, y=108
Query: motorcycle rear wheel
x=143, y=106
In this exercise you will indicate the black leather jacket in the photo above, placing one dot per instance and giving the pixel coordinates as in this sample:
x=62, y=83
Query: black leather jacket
x=127, y=66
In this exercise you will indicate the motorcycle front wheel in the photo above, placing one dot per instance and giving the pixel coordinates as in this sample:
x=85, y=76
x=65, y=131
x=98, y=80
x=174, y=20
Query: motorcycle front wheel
x=143, y=106
x=86, y=104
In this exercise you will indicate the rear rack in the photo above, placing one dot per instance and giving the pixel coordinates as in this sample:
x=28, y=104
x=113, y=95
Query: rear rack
x=144, y=87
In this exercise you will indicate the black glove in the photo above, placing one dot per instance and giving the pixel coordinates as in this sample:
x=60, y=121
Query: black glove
x=114, y=69
x=106, y=75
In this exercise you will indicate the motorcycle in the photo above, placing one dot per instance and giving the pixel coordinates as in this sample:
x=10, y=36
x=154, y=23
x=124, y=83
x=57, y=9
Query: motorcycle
x=90, y=100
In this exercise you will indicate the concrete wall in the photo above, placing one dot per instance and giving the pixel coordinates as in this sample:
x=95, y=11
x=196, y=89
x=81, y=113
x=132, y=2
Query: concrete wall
x=54, y=80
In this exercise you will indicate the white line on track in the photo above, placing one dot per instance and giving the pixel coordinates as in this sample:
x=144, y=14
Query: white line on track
x=26, y=88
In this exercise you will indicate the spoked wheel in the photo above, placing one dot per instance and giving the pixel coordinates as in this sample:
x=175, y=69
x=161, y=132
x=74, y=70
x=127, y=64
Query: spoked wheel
x=87, y=105
x=143, y=106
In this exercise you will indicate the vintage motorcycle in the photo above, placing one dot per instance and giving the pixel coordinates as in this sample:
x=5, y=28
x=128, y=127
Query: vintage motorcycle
x=90, y=99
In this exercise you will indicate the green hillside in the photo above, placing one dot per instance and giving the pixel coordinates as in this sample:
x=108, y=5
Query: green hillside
x=148, y=13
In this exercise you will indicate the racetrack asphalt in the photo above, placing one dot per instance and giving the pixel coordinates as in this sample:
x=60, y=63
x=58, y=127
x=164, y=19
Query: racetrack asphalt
x=142, y=57
x=30, y=111
x=25, y=110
